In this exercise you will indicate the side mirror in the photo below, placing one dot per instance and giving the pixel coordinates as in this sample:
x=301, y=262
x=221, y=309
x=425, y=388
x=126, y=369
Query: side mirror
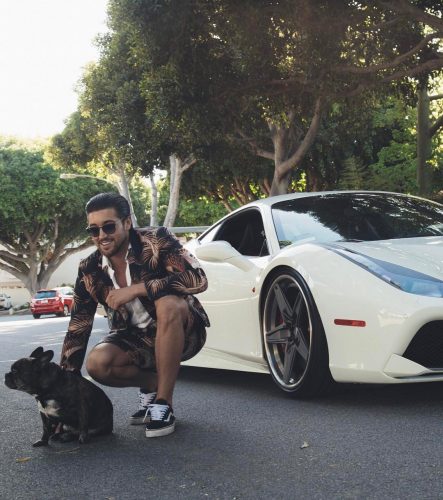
x=222, y=251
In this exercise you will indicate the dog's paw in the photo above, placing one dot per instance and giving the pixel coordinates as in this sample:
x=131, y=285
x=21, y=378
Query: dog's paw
x=39, y=443
x=84, y=438
x=66, y=437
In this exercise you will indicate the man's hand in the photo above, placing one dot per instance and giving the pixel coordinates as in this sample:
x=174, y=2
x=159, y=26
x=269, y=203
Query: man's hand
x=120, y=296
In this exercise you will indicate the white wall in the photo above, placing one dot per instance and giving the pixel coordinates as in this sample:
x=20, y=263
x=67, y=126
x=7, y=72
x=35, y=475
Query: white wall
x=65, y=273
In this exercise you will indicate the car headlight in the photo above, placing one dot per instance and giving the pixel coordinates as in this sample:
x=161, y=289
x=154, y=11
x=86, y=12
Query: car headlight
x=400, y=277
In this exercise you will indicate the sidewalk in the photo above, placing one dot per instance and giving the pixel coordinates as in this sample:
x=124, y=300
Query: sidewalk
x=5, y=312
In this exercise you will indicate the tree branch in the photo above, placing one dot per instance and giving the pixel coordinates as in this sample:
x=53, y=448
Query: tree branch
x=436, y=126
x=422, y=68
x=15, y=272
x=8, y=255
x=188, y=163
x=405, y=7
x=306, y=143
x=257, y=150
x=387, y=65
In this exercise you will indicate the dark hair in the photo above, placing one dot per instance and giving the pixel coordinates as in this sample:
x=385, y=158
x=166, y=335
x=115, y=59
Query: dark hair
x=118, y=202
x=109, y=200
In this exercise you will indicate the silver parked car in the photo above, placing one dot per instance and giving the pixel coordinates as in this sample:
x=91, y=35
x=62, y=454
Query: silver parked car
x=5, y=301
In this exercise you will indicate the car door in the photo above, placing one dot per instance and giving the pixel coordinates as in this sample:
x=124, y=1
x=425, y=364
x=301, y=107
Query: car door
x=231, y=299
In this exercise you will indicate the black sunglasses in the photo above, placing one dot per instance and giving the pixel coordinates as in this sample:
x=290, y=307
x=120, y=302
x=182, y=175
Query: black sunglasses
x=108, y=228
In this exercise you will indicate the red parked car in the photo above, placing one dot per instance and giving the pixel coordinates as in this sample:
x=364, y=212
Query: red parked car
x=53, y=301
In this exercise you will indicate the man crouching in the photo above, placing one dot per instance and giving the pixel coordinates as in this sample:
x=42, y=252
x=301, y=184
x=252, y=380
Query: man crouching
x=145, y=279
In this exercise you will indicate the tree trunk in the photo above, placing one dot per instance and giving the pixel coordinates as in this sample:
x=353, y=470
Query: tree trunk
x=424, y=147
x=285, y=160
x=34, y=273
x=175, y=177
x=154, y=202
x=123, y=189
x=177, y=167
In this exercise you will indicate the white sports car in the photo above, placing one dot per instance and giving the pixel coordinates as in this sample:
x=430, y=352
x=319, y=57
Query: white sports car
x=313, y=285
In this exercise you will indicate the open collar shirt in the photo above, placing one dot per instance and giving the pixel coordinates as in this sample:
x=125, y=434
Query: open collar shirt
x=137, y=315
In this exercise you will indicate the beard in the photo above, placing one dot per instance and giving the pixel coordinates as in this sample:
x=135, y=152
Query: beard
x=115, y=247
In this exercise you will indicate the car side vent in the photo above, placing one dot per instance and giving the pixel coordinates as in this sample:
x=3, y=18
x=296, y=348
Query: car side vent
x=426, y=348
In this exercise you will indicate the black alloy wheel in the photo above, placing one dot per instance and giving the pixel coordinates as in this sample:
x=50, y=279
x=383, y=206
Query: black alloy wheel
x=293, y=336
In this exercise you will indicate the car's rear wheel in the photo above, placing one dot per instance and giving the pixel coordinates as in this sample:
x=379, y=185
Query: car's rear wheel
x=65, y=311
x=293, y=336
x=36, y=316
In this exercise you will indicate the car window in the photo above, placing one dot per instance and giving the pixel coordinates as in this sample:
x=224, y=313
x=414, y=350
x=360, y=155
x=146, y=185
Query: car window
x=245, y=232
x=45, y=294
x=355, y=216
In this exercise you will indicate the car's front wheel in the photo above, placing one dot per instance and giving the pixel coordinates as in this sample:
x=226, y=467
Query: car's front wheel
x=36, y=316
x=293, y=337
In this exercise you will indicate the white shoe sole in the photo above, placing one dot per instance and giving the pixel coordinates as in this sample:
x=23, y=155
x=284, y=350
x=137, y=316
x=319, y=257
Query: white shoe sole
x=160, y=432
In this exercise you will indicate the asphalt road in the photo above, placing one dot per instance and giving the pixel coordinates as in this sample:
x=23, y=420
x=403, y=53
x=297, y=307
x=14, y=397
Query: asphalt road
x=237, y=437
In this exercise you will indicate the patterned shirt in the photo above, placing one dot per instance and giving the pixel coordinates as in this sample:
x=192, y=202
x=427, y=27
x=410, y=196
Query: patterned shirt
x=157, y=259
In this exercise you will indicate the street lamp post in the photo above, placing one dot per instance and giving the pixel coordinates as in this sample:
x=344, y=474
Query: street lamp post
x=123, y=190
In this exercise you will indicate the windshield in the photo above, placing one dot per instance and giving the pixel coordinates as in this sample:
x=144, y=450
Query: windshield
x=355, y=216
x=45, y=294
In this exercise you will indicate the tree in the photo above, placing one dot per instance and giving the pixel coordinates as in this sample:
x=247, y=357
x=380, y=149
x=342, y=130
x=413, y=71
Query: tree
x=228, y=174
x=264, y=73
x=41, y=217
x=109, y=134
x=427, y=127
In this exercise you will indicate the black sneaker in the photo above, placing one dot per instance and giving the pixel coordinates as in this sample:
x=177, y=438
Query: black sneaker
x=162, y=420
x=141, y=416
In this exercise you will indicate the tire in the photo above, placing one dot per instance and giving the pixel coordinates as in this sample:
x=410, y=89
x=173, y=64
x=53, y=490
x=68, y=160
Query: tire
x=65, y=311
x=36, y=316
x=293, y=336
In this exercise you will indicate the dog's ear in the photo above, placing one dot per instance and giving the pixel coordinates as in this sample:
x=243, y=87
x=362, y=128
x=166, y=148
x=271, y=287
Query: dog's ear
x=37, y=353
x=46, y=357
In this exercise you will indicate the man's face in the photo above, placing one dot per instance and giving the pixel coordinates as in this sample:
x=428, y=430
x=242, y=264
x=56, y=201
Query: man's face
x=110, y=244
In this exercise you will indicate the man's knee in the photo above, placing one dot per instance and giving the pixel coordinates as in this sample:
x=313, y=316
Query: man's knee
x=170, y=309
x=99, y=363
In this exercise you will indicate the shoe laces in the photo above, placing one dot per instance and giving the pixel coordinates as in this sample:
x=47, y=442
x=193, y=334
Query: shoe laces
x=145, y=399
x=157, y=411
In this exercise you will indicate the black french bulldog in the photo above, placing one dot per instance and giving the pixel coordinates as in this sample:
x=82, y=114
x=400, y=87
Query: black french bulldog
x=63, y=397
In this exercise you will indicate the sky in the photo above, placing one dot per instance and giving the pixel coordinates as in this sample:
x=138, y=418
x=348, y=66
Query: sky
x=44, y=46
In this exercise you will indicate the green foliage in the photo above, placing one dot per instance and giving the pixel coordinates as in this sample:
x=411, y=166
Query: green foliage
x=195, y=210
x=353, y=175
x=213, y=79
x=396, y=164
x=199, y=212
x=42, y=217
x=141, y=199
x=31, y=193
x=210, y=69
x=394, y=172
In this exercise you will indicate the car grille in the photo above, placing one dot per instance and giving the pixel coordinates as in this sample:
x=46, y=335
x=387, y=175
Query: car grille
x=426, y=348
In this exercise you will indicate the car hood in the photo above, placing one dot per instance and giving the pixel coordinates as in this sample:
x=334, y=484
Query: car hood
x=424, y=255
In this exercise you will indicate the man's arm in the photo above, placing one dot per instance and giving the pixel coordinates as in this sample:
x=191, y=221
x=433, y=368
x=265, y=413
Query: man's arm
x=80, y=326
x=184, y=273
x=185, y=276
